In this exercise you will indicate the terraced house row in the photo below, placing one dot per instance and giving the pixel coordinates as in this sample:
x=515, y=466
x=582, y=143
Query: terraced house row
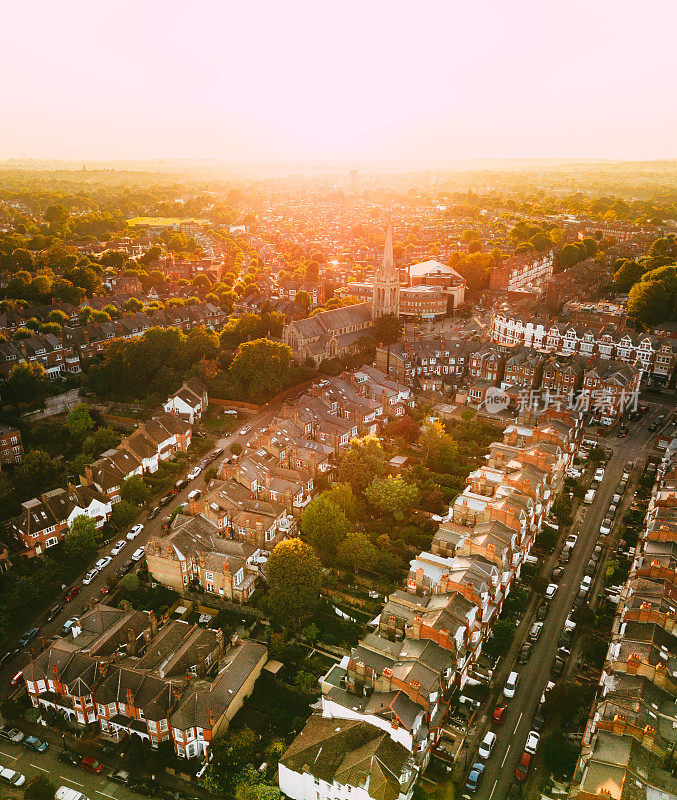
x=397, y=683
x=628, y=750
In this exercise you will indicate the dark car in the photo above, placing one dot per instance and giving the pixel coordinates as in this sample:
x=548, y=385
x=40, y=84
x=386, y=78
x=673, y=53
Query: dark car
x=564, y=556
x=166, y=500
x=68, y=757
x=514, y=790
x=153, y=512
x=622, y=432
x=524, y=654
x=557, y=667
x=71, y=593
x=121, y=776
x=654, y=426
x=557, y=574
x=53, y=612
x=566, y=639
x=179, y=485
x=124, y=569
x=28, y=636
x=542, y=611
x=538, y=720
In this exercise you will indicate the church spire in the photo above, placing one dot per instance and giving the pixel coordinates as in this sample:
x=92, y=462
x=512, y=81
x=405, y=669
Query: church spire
x=386, y=294
x=388, y=266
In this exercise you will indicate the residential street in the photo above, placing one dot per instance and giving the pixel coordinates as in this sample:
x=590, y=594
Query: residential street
x=535, y=674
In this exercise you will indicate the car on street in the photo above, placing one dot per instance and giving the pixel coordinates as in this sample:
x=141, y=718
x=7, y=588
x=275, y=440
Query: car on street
x=91, y=764
x=586, y=583
x=535, y=631
x=474, y=776
x=622, y=432
x=511, y=685
x=17, y=678
x=550, y=591
x=28, y=636
x=557, y=666
x=244, y=431
x=556, y=574
x=571, y=540
x=514, y=790
x=33, y=743
x=655, y=425
x=153, y=512
x=532, y=742
x=74, y=591
x=193, y=473
x=12, y=777
x=538, y=720
x=68, y=624
x=69, y=757
x=53, y=612
x=499, y=713
x=589, y=496
x=218, y=452
x=102, y=563
x=11, y=734
x=605, y=527
x=599, y=473
x=487, y=745
x=120, y=776
x=138, y=554
x=132, y=533
x=523, y=767
x=90, y=576
x=564, y=556
x=542, y=612
x=117, y=547
x=524, y=653
x=166, y=500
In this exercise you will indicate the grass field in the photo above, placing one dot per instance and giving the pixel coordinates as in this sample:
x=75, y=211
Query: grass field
x=162, y=221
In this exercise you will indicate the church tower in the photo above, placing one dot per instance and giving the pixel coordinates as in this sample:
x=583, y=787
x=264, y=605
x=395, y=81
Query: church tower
x=386, y=295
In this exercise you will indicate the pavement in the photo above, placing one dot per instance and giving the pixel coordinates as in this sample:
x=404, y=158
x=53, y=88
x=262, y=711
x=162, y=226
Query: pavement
x=535, y=674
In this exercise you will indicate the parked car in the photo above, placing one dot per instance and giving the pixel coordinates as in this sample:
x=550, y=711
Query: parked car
x=571, y=540
x=499, y=713
x=487, y=745
x=102, y=563
x=511, y=685
x=124, y=569
x=68, y=624
x=11, y=734
x=33, y=743
x=589, y=496
x=538, y=720
x=195, y=471
x=523, y=767
x=71, y=593
x=132, y=533
x=17, y=678
x=90, y=764
x=28, y=636
x=120, y=776
x=532, y=742
x=474, y=776
x=138, y=554
x=244, y=431
x=551, y=591
x=12, y=777
x=586, y=583
x=90, y=576
x=564, y=556
x=524, y=653
x=514, y=790
x=605, y=527
x=153, y=512
x=53, y=612
x=69, y=757
x=557, y=666
x=117, y=547
x=535, y=631
x=599, y=473
x=556, y=574
x=166, y=500
x=218, y=452
x=179, y=486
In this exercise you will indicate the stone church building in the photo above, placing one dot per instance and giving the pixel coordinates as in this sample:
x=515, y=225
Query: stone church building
x=334, y=333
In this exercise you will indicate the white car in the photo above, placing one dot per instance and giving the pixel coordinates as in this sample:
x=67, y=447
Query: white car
x=137, y=555
x=245, y=430
x=134, y=532
x=571, y=540
x=89, y=577
x=117, y=547
x=532, y=743
x=102, y=563
x=589, y=496
x=511, y=685
x=487, y=745
x=599, y=473
x=605, y=527
x=585, y=583
x=12, y=777
x=550, y=591
x=193, y=473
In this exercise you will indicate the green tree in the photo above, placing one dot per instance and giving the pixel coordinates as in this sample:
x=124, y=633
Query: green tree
x=440, y=451
x=294, y=577
x=130, y=583
x=627, y=274
x=392, y=495
x=202, y=343
x=363, y=461
x=40, y=788
x=648, y=302
x=303, y=300
x=134, y=490
x=56, y=214
x=260, y=368
x=79, y=421
x=81, y=539
x=27, y=382
x=387, y=329
x=324, y=525
x=123, y=514
x=356, y=551
x=559, y=754
x=502, y=634
x=37, y=473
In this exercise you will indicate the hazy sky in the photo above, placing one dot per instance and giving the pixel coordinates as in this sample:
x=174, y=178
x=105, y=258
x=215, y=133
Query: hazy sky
x=281, y=79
